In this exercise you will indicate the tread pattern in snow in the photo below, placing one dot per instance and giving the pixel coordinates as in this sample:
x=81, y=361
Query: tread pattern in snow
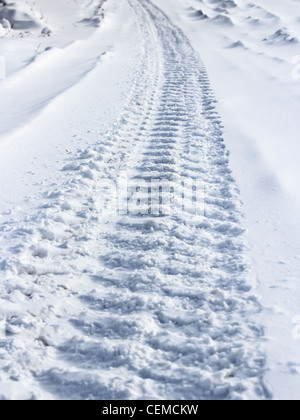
x=162, y=306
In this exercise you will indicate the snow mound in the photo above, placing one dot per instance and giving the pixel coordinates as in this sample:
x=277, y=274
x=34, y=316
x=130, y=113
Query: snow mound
x=237, y=44
x=222, y=20
x=198, y=14
x=223, y=4
x=17, y=18
x=92, y=12
x=281, y=37
x=254, y=21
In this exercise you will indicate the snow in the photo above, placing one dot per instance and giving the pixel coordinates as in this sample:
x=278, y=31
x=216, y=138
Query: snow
x=257, y=87
x=104, y=298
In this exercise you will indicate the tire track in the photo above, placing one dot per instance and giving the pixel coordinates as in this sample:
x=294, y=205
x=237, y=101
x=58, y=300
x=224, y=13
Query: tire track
x=158, y=301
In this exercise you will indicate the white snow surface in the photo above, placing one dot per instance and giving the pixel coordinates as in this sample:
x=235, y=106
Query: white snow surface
x=257, y=86
x=164, y=304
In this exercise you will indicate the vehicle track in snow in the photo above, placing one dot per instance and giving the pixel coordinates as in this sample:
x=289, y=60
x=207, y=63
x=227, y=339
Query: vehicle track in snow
x=156, y=303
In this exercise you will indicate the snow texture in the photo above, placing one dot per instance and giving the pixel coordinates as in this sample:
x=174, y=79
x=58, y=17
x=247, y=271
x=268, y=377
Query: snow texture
x=125, y=267
x=102, y=306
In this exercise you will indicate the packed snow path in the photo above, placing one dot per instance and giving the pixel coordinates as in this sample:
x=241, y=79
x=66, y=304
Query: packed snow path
x=152, y=303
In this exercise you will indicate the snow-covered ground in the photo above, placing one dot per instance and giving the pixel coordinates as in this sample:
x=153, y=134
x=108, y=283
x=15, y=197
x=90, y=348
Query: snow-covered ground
x=255, y=76
x=151, y=301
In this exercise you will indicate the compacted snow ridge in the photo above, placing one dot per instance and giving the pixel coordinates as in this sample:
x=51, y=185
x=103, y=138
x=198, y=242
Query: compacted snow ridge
x=99, y=304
